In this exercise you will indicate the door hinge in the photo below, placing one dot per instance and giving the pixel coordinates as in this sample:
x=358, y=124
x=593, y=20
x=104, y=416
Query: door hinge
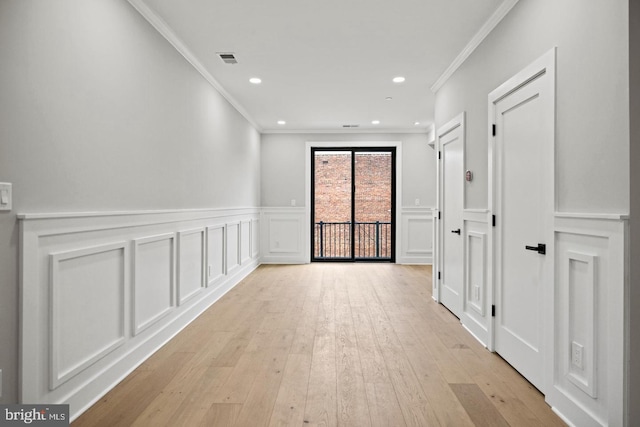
x=438, y=275
x=439, y=217
x=493, y=220
x=493, y=130
x=439, y=155
x=493, y=311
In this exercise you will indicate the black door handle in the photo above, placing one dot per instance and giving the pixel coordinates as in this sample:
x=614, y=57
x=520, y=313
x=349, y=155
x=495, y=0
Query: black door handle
x=456, y=231
x=541, y=248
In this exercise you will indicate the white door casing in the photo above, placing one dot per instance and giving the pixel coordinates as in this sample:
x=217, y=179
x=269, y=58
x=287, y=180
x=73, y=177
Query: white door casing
x=451, y=204
x=522, y=200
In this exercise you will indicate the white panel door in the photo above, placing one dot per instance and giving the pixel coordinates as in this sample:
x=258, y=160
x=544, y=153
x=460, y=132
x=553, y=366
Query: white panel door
x=523, y=204
x=452, y=170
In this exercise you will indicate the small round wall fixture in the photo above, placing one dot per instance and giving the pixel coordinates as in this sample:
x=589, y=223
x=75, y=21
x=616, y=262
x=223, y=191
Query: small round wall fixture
x=375, y=122
x=398, y=79
x=255, y=80
x=282, y=122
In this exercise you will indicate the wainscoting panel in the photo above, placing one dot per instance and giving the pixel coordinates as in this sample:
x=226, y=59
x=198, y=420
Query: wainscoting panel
x=87, y=289
x=283, y=236
x=255, y=236
x=475, y=278
x=588, y=340
x=476, y=312
x=191, y=249
x=417, y=236
x=233, y=247
x=153, y=279
x=245, y=246
x=101, y=292
x=216, y=268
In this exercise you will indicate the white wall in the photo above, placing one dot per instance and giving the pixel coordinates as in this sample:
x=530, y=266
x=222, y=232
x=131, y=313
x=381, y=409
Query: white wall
x=592, y=99
x=634, y=298
x=283, y=164
x=99, y=113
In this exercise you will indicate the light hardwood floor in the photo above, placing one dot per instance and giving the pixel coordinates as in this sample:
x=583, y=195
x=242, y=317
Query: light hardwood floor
x=324, y=344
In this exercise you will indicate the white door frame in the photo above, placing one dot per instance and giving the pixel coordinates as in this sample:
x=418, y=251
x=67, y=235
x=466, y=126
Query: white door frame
x=546, y=64
x=457, y=122
x=307, y=187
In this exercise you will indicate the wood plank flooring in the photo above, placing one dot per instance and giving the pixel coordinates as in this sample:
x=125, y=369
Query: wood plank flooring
x=324, y=344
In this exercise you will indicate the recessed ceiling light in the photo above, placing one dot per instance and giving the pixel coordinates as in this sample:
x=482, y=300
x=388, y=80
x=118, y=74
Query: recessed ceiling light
x=282, y=122
x=375, y=122
x=388, y=98
x=416, y=123
x=255, y=80
x=398, y=79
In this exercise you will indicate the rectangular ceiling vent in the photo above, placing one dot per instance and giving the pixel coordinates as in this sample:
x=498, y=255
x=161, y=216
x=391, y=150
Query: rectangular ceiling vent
x=228, y=58
x=350, y=126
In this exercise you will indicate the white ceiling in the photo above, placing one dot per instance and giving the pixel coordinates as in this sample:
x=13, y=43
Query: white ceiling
x=327, y=63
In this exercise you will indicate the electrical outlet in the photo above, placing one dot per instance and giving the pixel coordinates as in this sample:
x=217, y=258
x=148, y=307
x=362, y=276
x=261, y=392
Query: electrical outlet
x=577, y=355
x=293, y=202
x=417, y=202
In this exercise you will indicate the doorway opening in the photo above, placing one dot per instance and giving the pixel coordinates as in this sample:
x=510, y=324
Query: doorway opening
x=353, y=204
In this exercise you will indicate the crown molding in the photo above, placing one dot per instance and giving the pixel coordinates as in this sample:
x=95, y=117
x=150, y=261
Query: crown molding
x=345, y=131
x=165, y=30
x=475, y=41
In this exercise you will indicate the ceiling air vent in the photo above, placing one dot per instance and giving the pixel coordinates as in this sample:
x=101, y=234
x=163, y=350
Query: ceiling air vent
x=228, y=58
x=350, y=126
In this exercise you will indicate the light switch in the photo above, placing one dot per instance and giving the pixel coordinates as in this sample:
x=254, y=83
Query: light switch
x=5, y=196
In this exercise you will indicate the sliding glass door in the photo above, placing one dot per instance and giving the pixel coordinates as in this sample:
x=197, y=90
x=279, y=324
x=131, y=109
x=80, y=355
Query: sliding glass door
x=353, y=209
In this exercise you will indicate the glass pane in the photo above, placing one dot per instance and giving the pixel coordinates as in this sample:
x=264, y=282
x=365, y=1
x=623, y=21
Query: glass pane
x=332, y=209
x=373, y=205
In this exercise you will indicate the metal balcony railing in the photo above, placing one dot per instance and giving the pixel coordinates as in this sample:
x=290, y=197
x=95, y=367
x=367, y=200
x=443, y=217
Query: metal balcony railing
x=372, y=240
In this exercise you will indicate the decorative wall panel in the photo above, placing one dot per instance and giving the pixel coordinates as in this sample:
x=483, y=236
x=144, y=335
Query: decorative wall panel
x=87, y=289
x=245, y=246
x=233, y=247
x=587, y=339
x=153, y=279
x=284, y=236
x=100, y=292
x=216, y=268
x=190, y=263
x=417, y=236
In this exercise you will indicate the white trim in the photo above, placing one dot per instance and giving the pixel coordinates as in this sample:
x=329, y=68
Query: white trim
x=175, y=212
x=584, y=377
x=475, y=41
x=183, y=298
x=56, y=378
x=610, y=260
x=355, y=144
x=138, y=327
x=165, y=30
x=43, y=238
x=212, y=280
x=611, y=216
x=476, y=215
x=355, y=131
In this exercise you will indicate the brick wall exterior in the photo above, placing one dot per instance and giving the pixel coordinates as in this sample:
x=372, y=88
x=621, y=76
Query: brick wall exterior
x=333, y=187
